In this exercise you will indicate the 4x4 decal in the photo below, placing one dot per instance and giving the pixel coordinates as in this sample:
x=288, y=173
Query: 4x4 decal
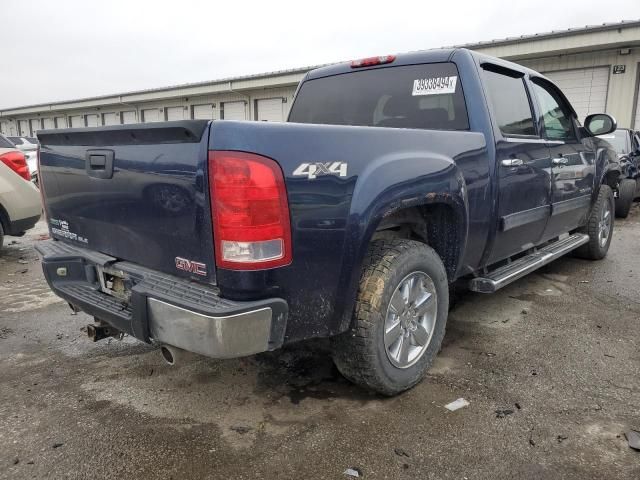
x=314, y=170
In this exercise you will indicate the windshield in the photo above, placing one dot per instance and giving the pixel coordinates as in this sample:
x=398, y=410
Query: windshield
x=425, y=96
x=618, y=141
x=5, y=142
x=16, y=140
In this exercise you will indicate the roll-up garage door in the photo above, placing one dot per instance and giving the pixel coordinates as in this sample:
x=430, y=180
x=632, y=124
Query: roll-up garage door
x=48, y=123
x=586, y=88
x=234, y=111
x=128, y=117
x=35, y=126
x=76, y=121
x=61, y=122
x=93, y=120
x=23, y=127
x=110, y=118
x=204, y=112
x=175, y=113
x=269, y=110
x=151, y=115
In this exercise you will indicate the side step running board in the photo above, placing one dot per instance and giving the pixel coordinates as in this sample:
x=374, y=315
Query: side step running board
x=511, y=272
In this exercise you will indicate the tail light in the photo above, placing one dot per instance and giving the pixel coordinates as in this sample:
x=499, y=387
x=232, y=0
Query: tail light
x=249, y=210
x=371, y=61
x=17, y=162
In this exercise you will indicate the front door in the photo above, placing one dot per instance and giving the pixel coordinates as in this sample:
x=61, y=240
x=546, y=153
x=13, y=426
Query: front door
x=523, y=165
x=572, y=161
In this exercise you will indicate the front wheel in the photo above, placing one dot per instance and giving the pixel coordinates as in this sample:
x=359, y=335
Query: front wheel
x=599, y=226
x=626, y=193
x=399, y=320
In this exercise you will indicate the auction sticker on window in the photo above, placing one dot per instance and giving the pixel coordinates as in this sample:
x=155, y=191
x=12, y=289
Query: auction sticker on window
x=435, y=85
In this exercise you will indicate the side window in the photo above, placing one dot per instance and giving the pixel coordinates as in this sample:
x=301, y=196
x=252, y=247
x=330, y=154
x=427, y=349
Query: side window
x=556, y=116
x=510, y=104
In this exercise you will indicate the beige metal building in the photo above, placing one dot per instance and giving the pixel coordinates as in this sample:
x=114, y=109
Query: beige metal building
x=596, y=66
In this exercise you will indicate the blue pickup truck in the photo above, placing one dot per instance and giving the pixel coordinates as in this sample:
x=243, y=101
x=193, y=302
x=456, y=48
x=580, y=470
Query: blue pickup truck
x=393, y=178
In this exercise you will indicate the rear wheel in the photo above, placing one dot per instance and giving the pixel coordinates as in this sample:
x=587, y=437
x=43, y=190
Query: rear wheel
x=399, y=319
x=1, y=236
x=599, y=226
x=626, y=192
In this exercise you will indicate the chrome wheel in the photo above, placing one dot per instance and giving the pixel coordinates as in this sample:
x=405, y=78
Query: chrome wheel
x=604, y=225
x=410, y=319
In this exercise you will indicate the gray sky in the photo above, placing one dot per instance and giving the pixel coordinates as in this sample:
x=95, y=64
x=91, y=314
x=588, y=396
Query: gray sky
x=66, y=49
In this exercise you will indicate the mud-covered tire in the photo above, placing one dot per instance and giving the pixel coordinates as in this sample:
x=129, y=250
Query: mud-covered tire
x=1, y=236
x=595, y=248
x=360, y=353
x=626, y=192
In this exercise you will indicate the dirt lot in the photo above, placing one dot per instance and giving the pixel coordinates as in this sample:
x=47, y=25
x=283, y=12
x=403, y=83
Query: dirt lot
x=556, y=354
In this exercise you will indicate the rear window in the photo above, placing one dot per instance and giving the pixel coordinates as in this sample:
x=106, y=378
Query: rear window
x=511, y=106
x=5, y=143
x=427, y=96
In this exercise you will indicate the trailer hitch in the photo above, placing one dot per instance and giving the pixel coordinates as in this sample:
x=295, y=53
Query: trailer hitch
x=101, y=331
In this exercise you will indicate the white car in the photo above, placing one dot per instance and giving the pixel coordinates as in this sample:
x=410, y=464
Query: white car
x=28, y=146
x=20, y=203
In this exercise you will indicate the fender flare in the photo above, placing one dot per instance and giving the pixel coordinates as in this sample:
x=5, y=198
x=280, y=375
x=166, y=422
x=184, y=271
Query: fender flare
x=443, y=184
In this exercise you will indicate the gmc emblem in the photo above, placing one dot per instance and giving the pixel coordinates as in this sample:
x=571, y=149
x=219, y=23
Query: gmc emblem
x=191, y=266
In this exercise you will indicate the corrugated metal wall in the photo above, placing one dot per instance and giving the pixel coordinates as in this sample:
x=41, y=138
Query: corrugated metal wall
x=622, y=89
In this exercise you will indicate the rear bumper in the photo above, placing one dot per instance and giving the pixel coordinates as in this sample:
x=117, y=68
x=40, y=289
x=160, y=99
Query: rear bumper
x=162, y=308
x=19, y=226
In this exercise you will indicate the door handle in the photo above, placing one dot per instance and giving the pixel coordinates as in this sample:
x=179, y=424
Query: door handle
x=512, y=162
x=99, y=163
x=559, y=161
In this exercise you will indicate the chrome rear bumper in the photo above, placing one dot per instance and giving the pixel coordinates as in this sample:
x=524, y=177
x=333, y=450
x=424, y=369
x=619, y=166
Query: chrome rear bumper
x=224, y=336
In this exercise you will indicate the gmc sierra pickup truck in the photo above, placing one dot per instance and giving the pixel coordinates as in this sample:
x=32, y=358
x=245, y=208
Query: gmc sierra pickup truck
x=394, y=177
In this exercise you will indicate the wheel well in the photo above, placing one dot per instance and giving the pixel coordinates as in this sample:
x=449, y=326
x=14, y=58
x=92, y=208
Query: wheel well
x=4, y=219
x=435, y=224
x=611, y=178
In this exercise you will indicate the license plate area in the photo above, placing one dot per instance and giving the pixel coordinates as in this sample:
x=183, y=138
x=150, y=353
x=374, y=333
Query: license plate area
x=114, y=282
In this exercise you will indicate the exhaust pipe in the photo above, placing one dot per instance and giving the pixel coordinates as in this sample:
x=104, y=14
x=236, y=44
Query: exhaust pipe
x=173, y=355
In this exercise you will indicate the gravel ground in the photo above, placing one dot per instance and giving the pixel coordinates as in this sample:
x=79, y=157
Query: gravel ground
x=550, y=366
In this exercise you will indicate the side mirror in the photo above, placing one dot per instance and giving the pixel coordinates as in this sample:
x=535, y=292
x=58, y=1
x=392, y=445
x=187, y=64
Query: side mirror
x=600, y=124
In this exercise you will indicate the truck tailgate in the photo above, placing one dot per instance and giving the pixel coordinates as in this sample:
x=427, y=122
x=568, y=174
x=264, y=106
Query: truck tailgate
x=135, y=192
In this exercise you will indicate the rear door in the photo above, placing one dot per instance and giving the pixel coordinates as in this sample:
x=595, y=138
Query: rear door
x=572, y=160
x=523, y=164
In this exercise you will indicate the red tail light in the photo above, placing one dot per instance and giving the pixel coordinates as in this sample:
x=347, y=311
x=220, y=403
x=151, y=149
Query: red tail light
x=368, y=62
x=17, y=162
x=249, y=210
